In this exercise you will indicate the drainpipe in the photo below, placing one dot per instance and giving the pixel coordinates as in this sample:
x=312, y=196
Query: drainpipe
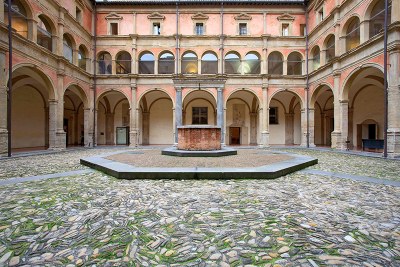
x=222, y=38
x=177, y=40
x=385, y=84
x=9, y=95
x=94, y=74
x=307, y=83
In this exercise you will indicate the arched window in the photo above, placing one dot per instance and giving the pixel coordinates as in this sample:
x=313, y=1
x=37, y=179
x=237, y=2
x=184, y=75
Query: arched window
x=377, y=19
x=82, y=57
x=294, y=64
x=232, y=63
x=44, y=33
x=189, y=63
x=68, y=50
x=316, y=58
x=146, y=63
x=353, y=34
x=330, y=48
x=19, y=17
x=275, y=63
x=251, y=64
x=123, y=63
x=104, y=63
x=166, y=63
x=209, y=63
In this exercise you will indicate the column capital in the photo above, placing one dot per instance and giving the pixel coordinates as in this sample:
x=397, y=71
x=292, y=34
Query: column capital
x=178, y=88
x=344, y=101
x=336, y=73
x=265, y=88
x=133, y=87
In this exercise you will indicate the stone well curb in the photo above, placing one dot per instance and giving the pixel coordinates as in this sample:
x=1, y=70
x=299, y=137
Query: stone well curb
x=126, y=171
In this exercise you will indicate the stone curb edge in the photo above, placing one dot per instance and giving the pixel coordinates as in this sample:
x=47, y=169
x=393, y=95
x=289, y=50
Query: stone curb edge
x=125, y=171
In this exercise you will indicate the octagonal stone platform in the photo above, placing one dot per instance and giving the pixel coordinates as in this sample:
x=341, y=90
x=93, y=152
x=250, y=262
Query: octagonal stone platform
x=127, y=171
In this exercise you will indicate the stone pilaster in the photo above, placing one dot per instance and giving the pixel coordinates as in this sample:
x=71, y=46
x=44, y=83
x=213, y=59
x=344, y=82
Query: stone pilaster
x=220, y=114
x=60, y=133
x=178, y=111
x=393, y=133
x=3, y=104
x=133, y=133
x=87, y=138
x=34, y=24
x=265, y=118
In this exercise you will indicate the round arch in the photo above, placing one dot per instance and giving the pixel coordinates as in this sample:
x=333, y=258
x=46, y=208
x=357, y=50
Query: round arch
x=154, y=90
x=38, y=72
x=77, y=89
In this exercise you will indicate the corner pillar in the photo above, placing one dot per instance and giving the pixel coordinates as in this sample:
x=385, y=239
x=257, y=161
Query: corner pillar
x=3, y=103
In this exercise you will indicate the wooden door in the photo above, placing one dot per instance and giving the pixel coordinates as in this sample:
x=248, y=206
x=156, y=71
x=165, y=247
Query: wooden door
x=234, y=133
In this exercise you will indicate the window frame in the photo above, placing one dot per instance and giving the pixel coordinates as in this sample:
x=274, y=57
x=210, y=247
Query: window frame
x=240, y=24
x=199, y=115
x=274, y=117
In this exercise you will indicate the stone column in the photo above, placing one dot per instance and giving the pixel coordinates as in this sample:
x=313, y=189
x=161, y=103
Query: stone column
x=33, y=33
x=2, y=15
x=311, y=125
x=335, y=135
x=75, y=56
x=87, y=138
x=133, y=134
x=61, y=135
x=178, y=111
x=395, y=10
x=393, y=132
x=364, y=31
x=3, y=103
x=322, y=57
x=344, y=119
x=110, y=129
x=146, y=128
x=303, y=142
x=52, y=123
x=91, y=126
x=285, y=67
x=220, y=114
x=265, y=118
x=253, y=128
x=350, y=127
x=60, y=44
x=289, y=128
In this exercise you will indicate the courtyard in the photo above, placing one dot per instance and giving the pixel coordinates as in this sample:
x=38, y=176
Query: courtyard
x=320, y=216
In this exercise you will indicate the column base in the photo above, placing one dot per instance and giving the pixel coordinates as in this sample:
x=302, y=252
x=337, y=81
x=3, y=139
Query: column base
x=264, y=140
x=338, y=142
x=133, y=139
x=393, y=145
x=59, y=142
x=3, y=143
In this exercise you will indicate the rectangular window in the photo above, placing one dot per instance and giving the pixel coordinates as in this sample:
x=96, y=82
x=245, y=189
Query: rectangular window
x=78, y=15
x=273, y=115
x=321, y=15
x=114, y=28
x=199, y=115
x=199, y=29
x=302, y=30
x=156, y=28
x=242, y=28
x=285, y=29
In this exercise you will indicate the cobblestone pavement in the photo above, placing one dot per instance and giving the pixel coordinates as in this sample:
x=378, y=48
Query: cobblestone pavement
x=298, y=220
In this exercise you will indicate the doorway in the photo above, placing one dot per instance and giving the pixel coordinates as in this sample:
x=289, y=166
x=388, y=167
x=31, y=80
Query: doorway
x=234, y=133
